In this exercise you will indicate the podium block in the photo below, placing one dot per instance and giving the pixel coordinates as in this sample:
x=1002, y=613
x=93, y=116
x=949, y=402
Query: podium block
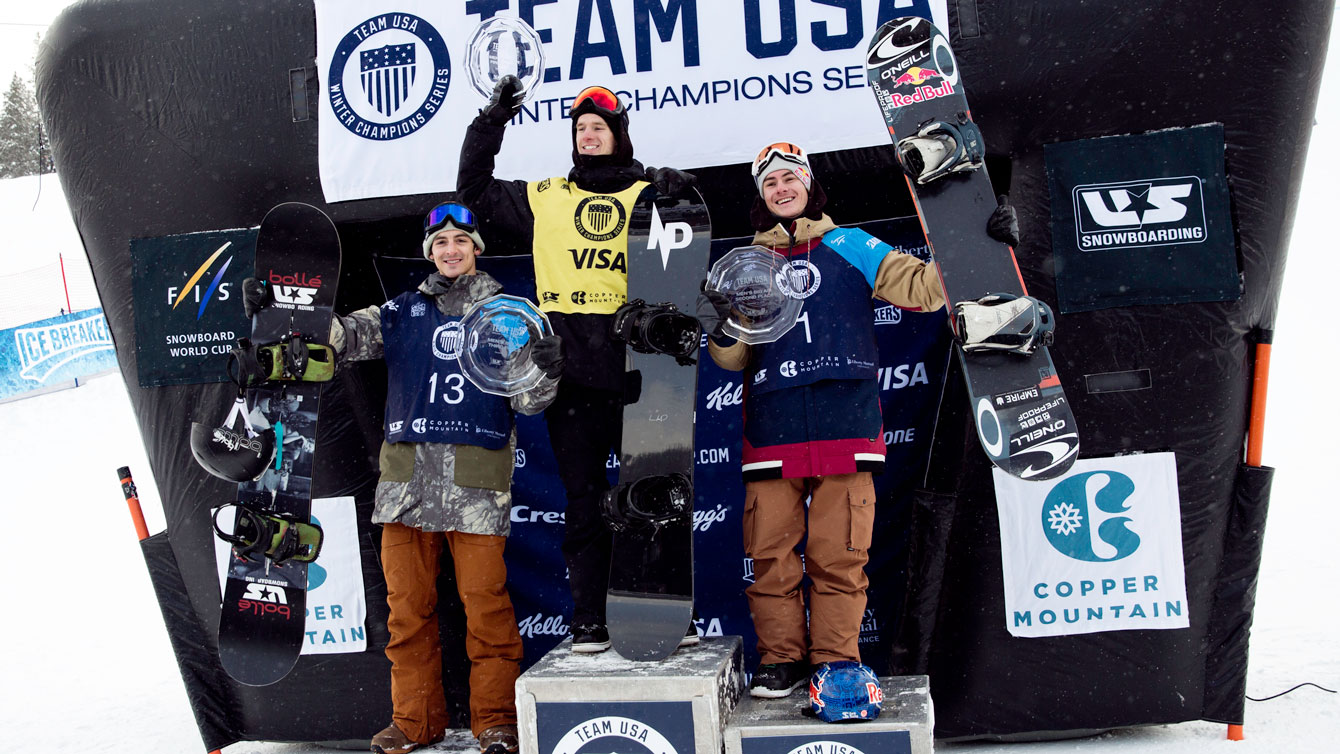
x=678, y=705
x=780, y=726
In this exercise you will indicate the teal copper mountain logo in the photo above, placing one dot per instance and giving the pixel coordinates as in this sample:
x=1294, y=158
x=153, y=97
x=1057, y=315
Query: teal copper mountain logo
x=1082, y=517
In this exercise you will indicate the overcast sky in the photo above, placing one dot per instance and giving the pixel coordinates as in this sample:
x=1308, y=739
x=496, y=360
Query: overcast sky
x=20, y=22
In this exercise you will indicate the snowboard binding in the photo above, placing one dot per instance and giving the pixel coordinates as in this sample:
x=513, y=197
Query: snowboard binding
x=648, y=502
x=291, y=360
x=232, y=455
x=939, y=148
x=1003, y=322
x=279, y=538
x=658, y=328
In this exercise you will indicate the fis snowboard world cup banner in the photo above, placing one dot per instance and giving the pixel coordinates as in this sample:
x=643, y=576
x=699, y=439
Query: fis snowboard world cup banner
x=188, y=304
x=1098, y=550
x=705, y=82
x=51, y=352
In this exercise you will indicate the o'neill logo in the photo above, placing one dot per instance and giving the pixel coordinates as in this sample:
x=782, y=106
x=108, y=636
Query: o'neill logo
x=389, y=76
x=1133, y=214
x=634, y=737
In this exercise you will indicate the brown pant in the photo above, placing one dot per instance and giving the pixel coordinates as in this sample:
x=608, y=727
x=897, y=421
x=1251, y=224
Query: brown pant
x=841, y=520
x=410, y=561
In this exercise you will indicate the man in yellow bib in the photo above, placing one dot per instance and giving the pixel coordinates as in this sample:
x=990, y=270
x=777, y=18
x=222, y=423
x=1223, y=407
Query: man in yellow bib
x=577, y=229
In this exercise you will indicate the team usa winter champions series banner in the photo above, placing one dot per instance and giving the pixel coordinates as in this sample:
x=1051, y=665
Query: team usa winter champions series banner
x=706, y=82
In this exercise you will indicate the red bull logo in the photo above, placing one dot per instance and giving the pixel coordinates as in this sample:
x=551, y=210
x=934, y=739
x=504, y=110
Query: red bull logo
x=916, y=76
x=923, y=93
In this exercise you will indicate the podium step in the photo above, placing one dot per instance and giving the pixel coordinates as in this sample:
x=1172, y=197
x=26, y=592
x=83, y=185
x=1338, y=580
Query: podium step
x=678, y=705
x=780, y=726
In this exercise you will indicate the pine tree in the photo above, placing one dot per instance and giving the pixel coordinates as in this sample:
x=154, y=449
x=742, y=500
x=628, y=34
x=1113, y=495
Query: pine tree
x=21, y=136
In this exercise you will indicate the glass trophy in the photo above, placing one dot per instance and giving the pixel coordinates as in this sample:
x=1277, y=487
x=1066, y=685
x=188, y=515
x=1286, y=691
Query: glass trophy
x=498, y=334
x=762, y=290
x=503, y=45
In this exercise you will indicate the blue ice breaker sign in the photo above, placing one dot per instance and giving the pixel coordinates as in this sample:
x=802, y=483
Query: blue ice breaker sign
x=53, y=351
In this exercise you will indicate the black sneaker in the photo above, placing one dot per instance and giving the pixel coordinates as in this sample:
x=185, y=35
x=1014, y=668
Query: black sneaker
x=590, y=638
x=690, y=636
x=777, y=680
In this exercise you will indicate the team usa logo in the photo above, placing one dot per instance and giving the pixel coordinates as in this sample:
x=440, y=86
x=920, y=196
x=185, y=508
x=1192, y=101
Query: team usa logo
x=600, y=218
x=389, y=76
x=448, y=341
x=800, y=279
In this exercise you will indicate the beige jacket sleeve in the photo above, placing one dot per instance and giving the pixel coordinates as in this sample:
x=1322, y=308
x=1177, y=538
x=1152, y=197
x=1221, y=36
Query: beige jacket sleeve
x=907, y=282
x=734, y=357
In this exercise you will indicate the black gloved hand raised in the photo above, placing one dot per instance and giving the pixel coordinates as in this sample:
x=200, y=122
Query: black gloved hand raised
x=255, y=296
x=547, y=354
x=671, y=182
x=712, y=309
x=1003, y=225
x=505, y=102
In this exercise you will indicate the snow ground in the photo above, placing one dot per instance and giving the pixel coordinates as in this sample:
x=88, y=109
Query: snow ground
x=96, y=673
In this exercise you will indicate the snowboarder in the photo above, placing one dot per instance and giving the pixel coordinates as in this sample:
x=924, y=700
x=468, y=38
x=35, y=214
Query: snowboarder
x=443, y=487
x=816, y=431
x=581, y=278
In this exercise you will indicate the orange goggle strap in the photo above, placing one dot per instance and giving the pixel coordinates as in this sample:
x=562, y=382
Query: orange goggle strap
x=781, y=157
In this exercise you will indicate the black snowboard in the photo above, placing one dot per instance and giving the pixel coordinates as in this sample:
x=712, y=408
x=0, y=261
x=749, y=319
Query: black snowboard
x=264, y=604
x=1023, y=419
x=649, y=606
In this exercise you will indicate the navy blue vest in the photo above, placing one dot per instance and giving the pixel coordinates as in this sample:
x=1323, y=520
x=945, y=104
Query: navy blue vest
x=427, y=397
x=835, y=336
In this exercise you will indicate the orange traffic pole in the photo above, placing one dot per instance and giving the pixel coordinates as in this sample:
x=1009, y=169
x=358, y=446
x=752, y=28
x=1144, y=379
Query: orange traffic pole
x=133, y=500
x=1260, y=381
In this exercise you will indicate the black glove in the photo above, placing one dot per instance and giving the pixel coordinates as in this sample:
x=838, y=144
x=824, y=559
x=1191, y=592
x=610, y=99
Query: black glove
x=505, y=102
x=712, y=309
x=255, y=296
x=671, y=182
x=547, y=354
x=1003, y=225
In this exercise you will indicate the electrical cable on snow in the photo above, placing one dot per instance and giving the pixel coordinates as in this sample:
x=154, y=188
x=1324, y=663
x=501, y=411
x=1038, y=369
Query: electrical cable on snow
x=1295, y=688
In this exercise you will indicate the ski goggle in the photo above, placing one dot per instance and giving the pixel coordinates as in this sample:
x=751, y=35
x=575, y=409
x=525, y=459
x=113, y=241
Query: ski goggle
x=600, y=98
x=781, y=156
x=459, y=215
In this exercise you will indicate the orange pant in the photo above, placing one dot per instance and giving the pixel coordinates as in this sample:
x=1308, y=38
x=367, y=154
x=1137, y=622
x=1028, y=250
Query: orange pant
x=841, y=520
x=410, y=561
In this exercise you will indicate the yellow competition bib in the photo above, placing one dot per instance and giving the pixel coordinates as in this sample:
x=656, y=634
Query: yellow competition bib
x=581, y=246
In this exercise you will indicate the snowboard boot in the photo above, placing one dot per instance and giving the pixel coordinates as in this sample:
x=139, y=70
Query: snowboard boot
x=590, y=638
x=392, y=740
x=1003, y=322
x=777, y=680
x=500, y=739
x=278, y=538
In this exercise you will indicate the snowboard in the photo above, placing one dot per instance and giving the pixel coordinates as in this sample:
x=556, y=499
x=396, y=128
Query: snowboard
x=262, y=620
x=1024, y=421
x=649, y=605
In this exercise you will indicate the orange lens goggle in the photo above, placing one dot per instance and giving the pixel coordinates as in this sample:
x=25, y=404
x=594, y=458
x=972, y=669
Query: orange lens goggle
x=788, y=152
x=600, y=97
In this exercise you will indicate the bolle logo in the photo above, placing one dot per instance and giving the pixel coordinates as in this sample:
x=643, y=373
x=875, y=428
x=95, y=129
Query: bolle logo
x=294, y=290
x=540, y=624
x=667, y=236
x=388, y=76
x=613, y=726
x=1117, y=215
x=236, y=440
x=216, y=284
x=448, y=341
x=728, y=394
x=265, y=599
x=599, y=218
x=1073, y=520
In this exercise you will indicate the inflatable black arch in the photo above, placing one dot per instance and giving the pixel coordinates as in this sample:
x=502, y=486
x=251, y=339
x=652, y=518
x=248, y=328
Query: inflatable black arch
x=171, y=116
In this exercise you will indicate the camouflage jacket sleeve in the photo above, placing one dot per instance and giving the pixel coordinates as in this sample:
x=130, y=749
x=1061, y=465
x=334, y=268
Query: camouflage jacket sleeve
x=536, y=399
x=358, y=336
